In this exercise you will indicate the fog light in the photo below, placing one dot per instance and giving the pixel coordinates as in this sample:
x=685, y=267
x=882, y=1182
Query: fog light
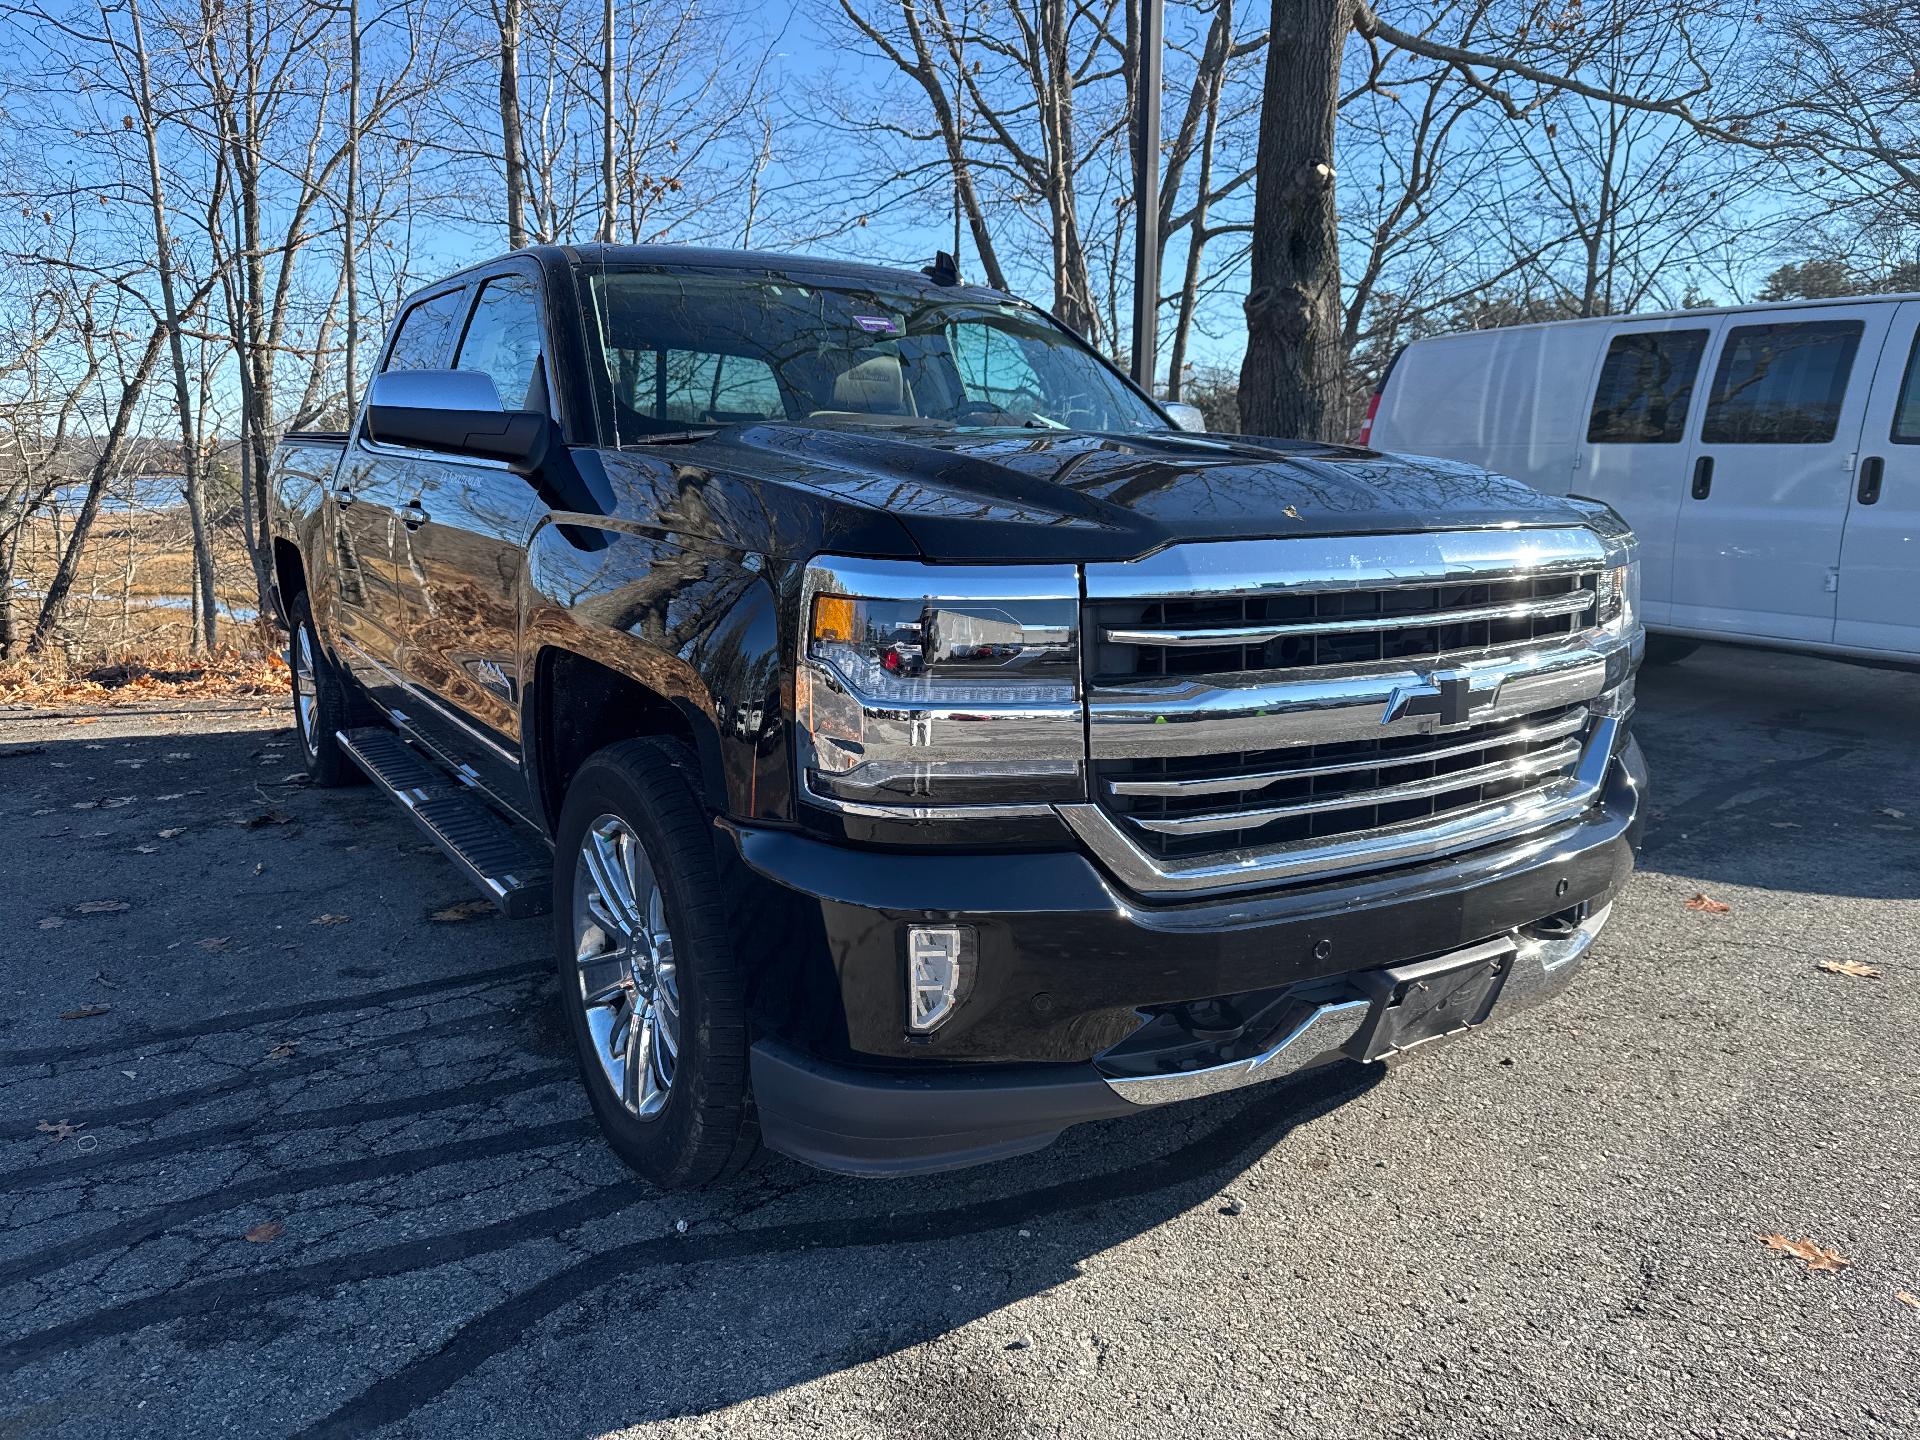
x=939, y=974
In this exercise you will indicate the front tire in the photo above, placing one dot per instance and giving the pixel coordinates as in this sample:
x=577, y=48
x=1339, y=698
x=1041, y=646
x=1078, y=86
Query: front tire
x=654, y=994
x=322, y=705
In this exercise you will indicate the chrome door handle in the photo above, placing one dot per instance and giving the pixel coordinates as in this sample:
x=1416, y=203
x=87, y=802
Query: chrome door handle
x=413, y=516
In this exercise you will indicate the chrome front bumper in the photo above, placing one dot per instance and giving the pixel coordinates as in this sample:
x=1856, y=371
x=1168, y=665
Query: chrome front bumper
x=1532, y=970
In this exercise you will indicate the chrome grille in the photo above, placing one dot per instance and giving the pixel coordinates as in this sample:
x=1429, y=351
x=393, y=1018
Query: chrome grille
x=1211, y=635
x=1293, y=708
x=1195, y=805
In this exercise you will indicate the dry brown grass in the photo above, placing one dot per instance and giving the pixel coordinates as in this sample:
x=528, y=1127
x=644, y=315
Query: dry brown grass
x=231, y=673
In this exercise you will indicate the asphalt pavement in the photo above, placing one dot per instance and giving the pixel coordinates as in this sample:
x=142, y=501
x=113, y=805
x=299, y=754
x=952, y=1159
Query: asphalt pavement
x=310, y=1156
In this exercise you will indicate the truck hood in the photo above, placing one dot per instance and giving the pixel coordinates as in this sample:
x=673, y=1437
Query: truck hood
x=1061, y=495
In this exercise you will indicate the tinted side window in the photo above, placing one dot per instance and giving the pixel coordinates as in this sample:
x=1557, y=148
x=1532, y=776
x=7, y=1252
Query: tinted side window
x=1781, y=384
x=1645, y=387
x=1906, y=411
x=421, y=343
x=503, y=339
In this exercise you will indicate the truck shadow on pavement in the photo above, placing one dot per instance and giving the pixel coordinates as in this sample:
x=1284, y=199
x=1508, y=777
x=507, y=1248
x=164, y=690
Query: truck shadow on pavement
x=372, y=1193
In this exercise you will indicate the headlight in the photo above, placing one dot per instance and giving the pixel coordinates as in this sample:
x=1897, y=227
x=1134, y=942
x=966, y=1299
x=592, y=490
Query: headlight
x=935, y=686
x=1619, y=597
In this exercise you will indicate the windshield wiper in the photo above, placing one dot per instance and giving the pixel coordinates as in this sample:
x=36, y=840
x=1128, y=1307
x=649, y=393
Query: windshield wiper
x=671, y=437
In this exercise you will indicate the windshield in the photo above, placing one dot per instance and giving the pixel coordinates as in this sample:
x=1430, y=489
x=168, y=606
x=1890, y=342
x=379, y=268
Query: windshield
x=692, y=350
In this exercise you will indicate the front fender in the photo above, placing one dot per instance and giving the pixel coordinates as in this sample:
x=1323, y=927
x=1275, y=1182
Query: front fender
x=695, y=623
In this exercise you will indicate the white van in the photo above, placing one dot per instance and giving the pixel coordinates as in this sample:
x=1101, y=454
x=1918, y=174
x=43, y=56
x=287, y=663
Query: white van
x=1767, y=455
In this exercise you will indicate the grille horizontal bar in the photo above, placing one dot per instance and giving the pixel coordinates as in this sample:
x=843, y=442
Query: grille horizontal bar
x=1545, y=606
x=1176, y=787
x=1539, y=763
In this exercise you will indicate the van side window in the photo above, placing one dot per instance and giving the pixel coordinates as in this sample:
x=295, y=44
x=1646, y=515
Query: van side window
x=421, y=341
x=503, y=340
x=1645, y=386
x=1781, y=384
x=1906, y=410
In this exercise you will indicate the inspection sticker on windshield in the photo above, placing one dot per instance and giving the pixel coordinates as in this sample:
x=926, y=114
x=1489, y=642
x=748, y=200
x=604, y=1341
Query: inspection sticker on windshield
x=876, y=324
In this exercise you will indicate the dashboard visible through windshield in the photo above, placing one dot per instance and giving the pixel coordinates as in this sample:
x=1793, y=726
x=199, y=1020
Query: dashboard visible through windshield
x=679, y=351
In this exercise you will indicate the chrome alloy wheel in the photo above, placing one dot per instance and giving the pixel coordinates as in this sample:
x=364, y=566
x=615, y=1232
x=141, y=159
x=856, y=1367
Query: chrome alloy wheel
x=623, y=953
x=305, y=696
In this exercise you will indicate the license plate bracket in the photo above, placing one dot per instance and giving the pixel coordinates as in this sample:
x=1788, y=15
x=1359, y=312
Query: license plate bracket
x=1431, y=999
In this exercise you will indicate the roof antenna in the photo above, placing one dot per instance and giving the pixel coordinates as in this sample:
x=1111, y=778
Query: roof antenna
x=945, y=270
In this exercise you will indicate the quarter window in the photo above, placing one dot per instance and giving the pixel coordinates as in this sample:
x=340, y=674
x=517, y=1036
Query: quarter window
x=503, y=340
x=421, y=342
x=1781, y=384
x=1645, y=387
x=1906, y=410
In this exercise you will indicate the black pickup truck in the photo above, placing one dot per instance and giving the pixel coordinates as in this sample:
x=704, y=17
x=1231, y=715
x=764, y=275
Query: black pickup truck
x=921, y=743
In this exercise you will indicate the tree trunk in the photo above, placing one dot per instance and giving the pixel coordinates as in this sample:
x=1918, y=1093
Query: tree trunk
x=1289, y=382
x=350, y=247
x=511, y=147
x=609, y=183
x=53, y=610
x=205, y=632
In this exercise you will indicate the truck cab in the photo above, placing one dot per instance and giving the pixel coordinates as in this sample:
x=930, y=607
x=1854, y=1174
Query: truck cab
x=920, y=743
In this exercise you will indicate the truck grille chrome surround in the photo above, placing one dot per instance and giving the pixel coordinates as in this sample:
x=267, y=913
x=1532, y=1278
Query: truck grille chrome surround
x=1269, y=711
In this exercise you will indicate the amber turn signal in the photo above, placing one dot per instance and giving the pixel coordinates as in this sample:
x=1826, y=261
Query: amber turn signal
x=833, y=618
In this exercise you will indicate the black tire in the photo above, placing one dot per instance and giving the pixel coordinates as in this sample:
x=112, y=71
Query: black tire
x=1669, y=649
x=706, y=1130
x=332, y=708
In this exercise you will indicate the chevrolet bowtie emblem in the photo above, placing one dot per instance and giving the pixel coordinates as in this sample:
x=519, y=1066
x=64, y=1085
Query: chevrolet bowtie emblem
x=1443, y=700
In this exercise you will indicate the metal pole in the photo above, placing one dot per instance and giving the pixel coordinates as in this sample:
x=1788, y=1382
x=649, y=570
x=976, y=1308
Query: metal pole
x=1146, y=190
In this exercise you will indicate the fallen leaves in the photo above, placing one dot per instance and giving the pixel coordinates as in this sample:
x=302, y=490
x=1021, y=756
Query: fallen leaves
x=1810, y=1254
x=1858, y=969
x=266, y=1230
x=171, y=832
x=1896, y=814
x=1704, y=904
x=214, y=944
x=1907, y=1297
x=52, y=922
x=60, y=1130
x=285, y=1050
x=84, y=1012
x=100, y=907
x=84, y=720
x=153, y=673
x=265, y=818
x=462, y=910
x=330, y=920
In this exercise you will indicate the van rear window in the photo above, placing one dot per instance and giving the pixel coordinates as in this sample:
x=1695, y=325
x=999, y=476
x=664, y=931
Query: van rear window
x=1781, y=384
x=1645, y=386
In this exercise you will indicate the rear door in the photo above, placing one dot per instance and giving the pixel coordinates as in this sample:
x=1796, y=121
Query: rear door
x=1757, y=545
x=1637, y=442
x=1879, y=600
x=465, y=525
x=375, y=614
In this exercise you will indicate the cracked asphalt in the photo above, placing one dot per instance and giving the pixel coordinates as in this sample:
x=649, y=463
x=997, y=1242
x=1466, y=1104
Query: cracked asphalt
x=336, y=1178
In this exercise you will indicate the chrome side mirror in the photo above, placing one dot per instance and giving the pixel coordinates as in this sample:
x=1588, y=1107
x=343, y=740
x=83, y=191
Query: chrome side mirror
x=1185, y=416
x=455, y=412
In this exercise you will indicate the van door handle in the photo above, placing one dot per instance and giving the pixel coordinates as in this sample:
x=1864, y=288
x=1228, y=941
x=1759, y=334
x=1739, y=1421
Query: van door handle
x=1871, y=469
x=1703, y=477
x=343, y=497
x=412, y=515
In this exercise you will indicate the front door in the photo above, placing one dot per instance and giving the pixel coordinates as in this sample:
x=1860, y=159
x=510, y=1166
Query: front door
x=1637, y=448
x=1757, y=545
x=376, y=611
x=1879, y=596
x=464, y=530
